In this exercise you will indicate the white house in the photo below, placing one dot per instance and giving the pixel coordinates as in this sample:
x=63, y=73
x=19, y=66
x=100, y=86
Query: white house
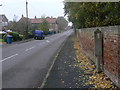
x=3, y=21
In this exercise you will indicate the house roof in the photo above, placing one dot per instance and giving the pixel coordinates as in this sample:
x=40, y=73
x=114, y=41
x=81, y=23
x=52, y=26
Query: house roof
x=40, y=20
x=23, y=19
x=36, y=20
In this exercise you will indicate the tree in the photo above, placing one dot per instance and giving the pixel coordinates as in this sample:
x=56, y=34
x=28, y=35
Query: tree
x=93, y=14
x=62, y=23
x=19, y=26
x=44, y=26
x=13, y=24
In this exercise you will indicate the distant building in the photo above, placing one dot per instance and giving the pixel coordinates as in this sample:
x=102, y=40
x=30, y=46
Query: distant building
x=52, y=21
x=4, y=21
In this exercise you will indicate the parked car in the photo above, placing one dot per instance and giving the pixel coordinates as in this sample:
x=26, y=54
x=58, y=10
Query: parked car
x=39, y=34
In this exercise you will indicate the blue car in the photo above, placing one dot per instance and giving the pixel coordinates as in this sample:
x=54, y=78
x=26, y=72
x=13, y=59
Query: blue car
x=39, y=34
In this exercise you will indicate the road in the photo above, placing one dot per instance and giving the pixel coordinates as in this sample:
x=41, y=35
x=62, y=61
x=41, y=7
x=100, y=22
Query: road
x=25, y=65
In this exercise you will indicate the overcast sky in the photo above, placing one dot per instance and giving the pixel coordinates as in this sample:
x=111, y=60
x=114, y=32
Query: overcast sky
x=35, y=7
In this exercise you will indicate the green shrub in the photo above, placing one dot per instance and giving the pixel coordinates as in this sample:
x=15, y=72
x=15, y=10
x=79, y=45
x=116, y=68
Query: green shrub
x=1, y=40
x=30, y=35
x=21, y=37
x=5, y=38
x=15, y=36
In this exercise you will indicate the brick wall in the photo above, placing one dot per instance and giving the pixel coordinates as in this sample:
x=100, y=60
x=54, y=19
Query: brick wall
x=111, y=49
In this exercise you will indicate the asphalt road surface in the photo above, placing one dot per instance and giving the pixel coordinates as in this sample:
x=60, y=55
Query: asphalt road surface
x=25, y=65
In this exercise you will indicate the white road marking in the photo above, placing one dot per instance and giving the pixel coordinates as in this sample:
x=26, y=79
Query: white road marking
x=29, y=48
x=9, y=57
x=47, y=41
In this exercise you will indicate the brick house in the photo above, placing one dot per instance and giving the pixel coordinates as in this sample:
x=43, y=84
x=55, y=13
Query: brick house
x=52, y=21
x=4, y=21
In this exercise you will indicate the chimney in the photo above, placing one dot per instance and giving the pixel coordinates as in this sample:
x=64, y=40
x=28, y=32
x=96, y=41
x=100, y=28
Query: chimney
x=22, y=16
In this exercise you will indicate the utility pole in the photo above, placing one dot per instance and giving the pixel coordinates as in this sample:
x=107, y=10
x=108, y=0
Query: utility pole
x=26, y=33
x=0, y=20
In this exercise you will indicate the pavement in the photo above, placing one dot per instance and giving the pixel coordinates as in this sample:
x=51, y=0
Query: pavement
x=73, y=69
x=24, y=65
x=63, y=73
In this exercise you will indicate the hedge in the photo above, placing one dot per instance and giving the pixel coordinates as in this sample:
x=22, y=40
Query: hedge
x=15, y=36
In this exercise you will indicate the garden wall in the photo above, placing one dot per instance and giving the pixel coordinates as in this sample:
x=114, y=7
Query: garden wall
x=111, y=49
